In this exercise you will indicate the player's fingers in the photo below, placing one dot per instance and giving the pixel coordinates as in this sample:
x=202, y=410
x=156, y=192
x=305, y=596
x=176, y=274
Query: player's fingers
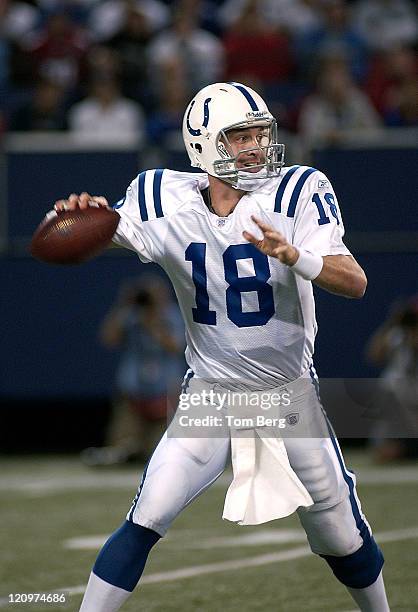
x=72, y=202
x=84, y=200
x=276, y=236
x=87, y=200
x=100, y=200
x=263, y=226
x=60, y=205
x=251, y=238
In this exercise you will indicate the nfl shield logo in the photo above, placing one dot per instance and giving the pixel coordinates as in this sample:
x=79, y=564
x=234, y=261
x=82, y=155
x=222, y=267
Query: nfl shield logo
x=292, y=419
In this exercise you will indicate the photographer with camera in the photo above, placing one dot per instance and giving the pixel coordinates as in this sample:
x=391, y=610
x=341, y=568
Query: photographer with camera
x=395, y=347
x=145, y=324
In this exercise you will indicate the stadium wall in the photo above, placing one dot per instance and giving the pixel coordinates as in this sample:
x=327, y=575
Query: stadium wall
x=51, y=360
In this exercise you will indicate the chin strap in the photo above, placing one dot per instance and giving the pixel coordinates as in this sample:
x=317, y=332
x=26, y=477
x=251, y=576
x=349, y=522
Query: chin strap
x=247, y=181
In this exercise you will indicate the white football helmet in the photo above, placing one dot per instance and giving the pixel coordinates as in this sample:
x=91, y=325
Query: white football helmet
x=214, y=111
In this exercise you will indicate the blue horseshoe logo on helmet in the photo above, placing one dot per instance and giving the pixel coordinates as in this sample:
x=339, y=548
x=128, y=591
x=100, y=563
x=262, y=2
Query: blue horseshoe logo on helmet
x=198, y=132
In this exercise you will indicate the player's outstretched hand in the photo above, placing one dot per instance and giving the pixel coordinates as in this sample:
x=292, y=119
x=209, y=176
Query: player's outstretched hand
x=273, y=243
x=84, y=200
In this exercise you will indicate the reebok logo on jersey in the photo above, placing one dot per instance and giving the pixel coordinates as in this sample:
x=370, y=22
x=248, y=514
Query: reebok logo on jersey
x=322, y=184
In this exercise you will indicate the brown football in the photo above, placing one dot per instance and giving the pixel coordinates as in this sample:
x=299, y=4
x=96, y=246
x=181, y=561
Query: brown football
x=74, y=236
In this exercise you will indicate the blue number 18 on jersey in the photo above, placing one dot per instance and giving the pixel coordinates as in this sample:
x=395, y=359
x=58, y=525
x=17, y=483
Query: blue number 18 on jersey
x=196, y=253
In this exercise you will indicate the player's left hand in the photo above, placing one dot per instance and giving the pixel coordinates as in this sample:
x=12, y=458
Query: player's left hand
x=273, y=243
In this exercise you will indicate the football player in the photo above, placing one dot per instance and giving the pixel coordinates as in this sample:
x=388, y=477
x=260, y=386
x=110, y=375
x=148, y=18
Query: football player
x=242, y=243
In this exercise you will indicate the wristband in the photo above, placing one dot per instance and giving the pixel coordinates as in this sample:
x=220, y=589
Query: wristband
x=308, y=265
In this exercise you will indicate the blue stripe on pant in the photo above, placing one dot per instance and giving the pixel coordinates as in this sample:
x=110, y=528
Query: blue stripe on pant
x=362, y=568
x=186, y=381
x=137, y=496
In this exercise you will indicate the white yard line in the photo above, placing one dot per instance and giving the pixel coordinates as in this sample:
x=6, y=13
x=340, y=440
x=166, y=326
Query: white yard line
x=213, y=568
x=259, y=560
x=58, y=484
x=48, y=485
x=253, y=538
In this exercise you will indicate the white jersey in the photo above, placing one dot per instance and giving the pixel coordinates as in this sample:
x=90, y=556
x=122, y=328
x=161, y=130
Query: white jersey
x=248, y=316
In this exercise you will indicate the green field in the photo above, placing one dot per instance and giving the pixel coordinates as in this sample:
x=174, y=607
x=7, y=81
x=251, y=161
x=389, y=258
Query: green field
x=46, y=502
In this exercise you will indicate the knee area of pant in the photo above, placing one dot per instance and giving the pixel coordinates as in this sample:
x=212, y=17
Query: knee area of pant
x=131, y=536
x=331, y=531
x=165, y=491
x=343, y=547
x=359, y=569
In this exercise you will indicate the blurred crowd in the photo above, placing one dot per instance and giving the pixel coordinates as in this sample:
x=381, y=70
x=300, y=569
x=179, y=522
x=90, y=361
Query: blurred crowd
x=126, y=69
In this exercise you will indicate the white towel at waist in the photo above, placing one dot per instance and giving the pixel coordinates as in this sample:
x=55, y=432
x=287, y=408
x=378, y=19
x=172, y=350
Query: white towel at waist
x=264, y=487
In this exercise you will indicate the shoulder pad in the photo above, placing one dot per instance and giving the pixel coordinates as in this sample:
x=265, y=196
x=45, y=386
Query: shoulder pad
x=161, y=192
x=290, y=188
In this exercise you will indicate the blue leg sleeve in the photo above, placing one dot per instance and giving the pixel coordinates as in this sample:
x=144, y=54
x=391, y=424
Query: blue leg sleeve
x=360, y=569
x=122, y=559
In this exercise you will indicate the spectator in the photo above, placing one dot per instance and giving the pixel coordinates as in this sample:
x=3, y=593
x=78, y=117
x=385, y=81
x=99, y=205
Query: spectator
x=253, y=50
x=164, y=124
x=77, y=9
x=101, y=62
x=336, y=36
x=402, y=106
x=294, y=16
x=393, y=86
x=130, y=44
x=337, y=107
x=18, y=24
x=200, y=52
x=107, y=18
x=106, y=117
x=43, y=112
x=146, y=326
x=2, y=125
x=395, y=346
x=386, y=23
x=59, y=50
x=19, y=20
x=4, y=64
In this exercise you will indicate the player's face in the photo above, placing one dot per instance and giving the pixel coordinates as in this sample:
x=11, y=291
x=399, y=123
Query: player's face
x=245, y=144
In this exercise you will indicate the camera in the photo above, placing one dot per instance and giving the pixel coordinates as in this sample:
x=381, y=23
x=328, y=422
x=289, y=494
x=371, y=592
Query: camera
x=143, y=298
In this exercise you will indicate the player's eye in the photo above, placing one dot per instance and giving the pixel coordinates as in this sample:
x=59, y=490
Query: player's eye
x=263, y=139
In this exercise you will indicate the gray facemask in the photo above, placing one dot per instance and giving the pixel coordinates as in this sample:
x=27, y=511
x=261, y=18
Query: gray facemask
x=247, y=181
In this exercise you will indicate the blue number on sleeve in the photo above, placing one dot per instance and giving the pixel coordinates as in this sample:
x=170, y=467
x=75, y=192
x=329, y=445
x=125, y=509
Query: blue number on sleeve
x=329, y=199
x=196, y=253
x=323, y=219
x=238, y=285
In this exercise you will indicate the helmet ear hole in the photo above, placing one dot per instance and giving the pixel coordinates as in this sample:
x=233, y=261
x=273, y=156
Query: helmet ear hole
x=196, y=146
